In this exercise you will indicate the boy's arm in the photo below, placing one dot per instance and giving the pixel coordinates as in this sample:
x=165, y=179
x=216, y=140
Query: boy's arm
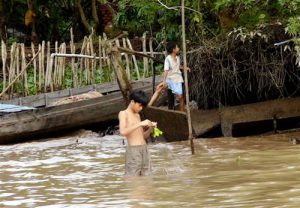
x=165, y=75
x=148, y=132
x=187, y=68
x=124, y=130
x=156, y=94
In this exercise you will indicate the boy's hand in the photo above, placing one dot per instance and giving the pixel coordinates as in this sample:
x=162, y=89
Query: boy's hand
x=186, y=68
x=161, y=86
x=148, y=123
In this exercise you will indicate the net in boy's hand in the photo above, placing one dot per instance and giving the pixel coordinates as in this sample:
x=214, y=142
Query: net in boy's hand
x=157, y=132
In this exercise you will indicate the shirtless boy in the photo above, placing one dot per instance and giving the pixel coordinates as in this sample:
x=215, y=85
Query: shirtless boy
x=137, y=157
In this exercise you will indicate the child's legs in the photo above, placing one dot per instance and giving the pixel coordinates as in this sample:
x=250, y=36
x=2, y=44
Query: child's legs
x=133, y=161
x=181, y=102
x=177, y=89
x=146, y=167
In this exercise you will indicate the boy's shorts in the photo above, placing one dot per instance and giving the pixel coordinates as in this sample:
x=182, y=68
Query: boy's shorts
x=137, y=160
x=176, y=87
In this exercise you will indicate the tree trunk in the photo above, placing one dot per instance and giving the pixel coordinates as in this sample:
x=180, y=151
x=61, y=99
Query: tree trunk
x=94, y=13
x=84, y=21
x=3, y=34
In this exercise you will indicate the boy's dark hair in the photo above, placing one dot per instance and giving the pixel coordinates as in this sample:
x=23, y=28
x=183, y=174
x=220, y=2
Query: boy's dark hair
x=171, y=46
x=139, y=96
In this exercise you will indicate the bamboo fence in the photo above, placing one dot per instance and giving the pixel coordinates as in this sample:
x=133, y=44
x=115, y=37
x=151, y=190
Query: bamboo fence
x=85, y=62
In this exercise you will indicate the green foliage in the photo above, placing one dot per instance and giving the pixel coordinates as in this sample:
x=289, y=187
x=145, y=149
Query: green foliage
x=138, y=16
x=293, y=26
x=245, y=4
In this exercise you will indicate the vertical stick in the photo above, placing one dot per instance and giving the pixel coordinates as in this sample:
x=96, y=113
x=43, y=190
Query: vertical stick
x=46, y=76
x=50, y=67
x=93, y=61
x=87, y=63
x=4, y=57
x=134, y=59
x=126, y=59
x=43, y=62
x=100, y=56
x=108, y=59
x=25, y=93
x=73, y=51
x=34, y=65
x=145, y=60
x=81, y=61
x=64, y=50
x=40, y=69
x=185, y=78
x=12, y=67
x=55, y=73
x=151, y=60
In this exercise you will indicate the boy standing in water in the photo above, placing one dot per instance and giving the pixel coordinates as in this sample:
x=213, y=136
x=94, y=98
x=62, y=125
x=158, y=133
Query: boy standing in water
x=172, y=74
x=137, y=157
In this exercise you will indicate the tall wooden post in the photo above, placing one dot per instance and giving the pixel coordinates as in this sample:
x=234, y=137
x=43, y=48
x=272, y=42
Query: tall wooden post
x=186, y=79
x=120, y=73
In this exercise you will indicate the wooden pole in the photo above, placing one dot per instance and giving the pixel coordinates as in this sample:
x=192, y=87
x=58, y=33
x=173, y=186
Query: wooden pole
x=186, y=79
x=134, y=59
x=16, y=78
x=126, y=59
x=34, y=65
x=120, y=73
x=145, y=60
x=4, y=57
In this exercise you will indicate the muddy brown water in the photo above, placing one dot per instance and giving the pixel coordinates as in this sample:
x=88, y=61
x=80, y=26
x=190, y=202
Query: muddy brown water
x=225, y=172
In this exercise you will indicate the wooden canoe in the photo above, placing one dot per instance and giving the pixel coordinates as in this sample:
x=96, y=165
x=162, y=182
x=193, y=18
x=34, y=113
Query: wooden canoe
x=44, y=119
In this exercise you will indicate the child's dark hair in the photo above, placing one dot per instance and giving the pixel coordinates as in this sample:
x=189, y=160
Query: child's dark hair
x=171, y=46
x=139, y=96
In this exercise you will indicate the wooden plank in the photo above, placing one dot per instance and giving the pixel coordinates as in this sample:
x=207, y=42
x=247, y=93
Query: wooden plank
x=204, y=120
x=262, y=111
x=173, y=123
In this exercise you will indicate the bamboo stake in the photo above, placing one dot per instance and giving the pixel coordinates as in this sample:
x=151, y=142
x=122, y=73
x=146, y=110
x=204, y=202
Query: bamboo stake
x=151, y=54
x=25, y=93
x=4, y=57
x=40, y=69
x=87, y=64
x=73, y=50
x=145, y=60
x=17, y=58
x=16, y=78
x=34, y=65
x=108, y=59
x=60, y=67
x=126, y=60
x=55, y=74
x=48, y=70
x=186, y=79
x=43, y=62
x=100, y=53
x=134, y=59
x=12, y=67
x=81, y=61
x=63, y=69
x=93, y=61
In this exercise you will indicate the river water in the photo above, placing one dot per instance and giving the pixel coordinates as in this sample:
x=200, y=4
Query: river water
x=85, y=170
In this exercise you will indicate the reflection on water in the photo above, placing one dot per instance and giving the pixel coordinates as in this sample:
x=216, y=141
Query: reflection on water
x=85, y=170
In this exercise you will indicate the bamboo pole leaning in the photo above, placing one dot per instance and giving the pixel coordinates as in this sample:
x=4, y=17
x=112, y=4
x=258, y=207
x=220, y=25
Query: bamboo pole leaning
x=20, y=74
